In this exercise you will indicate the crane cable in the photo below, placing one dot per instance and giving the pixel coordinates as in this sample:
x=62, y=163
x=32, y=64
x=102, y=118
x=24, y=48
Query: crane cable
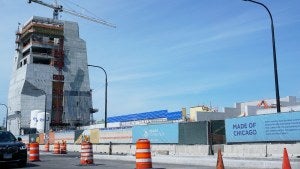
x=71, y=2
x=95, y=18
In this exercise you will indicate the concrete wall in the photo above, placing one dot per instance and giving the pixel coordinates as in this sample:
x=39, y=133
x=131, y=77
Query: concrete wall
x=191, y=150
x=233, y=110
x=243, y=150
x=207, y=116
x=276, y=150
x=261, y=150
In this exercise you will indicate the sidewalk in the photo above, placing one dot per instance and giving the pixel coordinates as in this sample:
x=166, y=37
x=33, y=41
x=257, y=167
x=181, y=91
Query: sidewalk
x=249, y=163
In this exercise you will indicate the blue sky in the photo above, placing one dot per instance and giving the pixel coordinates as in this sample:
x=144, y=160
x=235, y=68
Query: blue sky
x=169, y=54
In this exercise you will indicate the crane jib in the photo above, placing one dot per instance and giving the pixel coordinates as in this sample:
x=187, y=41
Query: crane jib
x=59, y=8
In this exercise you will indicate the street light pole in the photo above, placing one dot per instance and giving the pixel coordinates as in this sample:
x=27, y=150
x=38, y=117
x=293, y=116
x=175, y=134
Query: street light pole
x=6, y=115
x=105, y=118
x=274, y=55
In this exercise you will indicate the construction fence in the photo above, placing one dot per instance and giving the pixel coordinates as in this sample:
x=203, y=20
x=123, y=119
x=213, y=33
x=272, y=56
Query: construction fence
x=167, y=133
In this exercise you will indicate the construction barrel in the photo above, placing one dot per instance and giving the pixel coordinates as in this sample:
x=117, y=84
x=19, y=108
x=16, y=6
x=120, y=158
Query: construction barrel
x=56, y=148
x=63, y=148
x=143, y=154
x=34, y=154
x=86, y=155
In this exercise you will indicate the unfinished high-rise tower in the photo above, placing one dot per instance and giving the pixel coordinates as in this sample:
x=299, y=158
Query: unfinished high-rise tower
x=50, y=74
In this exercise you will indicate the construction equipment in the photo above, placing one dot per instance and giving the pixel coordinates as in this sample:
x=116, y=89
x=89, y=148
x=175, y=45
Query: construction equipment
x=59, y=8
x=263, y=103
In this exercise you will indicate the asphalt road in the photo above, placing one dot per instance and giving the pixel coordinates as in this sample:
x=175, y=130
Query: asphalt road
x=72, y=160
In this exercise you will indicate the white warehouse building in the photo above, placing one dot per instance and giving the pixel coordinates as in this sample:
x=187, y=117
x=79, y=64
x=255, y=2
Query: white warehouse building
x=251, y=108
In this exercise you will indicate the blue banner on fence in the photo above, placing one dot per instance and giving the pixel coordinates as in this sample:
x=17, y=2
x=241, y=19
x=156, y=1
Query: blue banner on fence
x=160, y=133
x=271, y=127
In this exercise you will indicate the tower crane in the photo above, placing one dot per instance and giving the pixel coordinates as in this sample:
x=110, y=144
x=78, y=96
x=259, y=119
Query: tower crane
x=59, y=8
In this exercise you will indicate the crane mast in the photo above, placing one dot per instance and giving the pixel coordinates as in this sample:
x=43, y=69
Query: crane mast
x=59, y=8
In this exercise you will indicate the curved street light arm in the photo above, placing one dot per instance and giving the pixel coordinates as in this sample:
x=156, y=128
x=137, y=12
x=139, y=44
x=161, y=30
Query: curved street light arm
x=274, y=55
x=105, y=118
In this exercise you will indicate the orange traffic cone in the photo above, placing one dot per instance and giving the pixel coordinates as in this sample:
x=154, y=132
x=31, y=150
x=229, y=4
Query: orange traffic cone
x=286, y=161
x=220, y=164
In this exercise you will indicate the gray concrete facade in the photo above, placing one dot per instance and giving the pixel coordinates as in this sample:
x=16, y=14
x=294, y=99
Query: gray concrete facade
x=32, y=77
x=77, y=92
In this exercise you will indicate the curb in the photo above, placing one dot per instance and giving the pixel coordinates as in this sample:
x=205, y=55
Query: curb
x=260, y=163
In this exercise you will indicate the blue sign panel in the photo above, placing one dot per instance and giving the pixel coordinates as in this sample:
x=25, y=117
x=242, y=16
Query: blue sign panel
x=271, y=127
x=162, y=133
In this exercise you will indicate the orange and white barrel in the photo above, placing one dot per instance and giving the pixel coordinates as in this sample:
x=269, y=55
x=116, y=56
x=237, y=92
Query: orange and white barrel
x=34, y=152
x=86, y=155
x=143, y=154
x=46, y=147
x=56, y=148
x=63, y=148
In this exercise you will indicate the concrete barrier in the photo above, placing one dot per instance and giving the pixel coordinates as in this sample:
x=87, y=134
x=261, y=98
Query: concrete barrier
x=121, y=148
x=102, y=148
x=237, y=150
x=74, y=148
x=216, y=147
x=160, y=149
x=276, y=150
x=245, y=150
x=191, y=150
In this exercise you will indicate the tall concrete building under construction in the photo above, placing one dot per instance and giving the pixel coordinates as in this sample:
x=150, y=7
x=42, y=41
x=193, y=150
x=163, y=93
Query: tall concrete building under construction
x=50, y=74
